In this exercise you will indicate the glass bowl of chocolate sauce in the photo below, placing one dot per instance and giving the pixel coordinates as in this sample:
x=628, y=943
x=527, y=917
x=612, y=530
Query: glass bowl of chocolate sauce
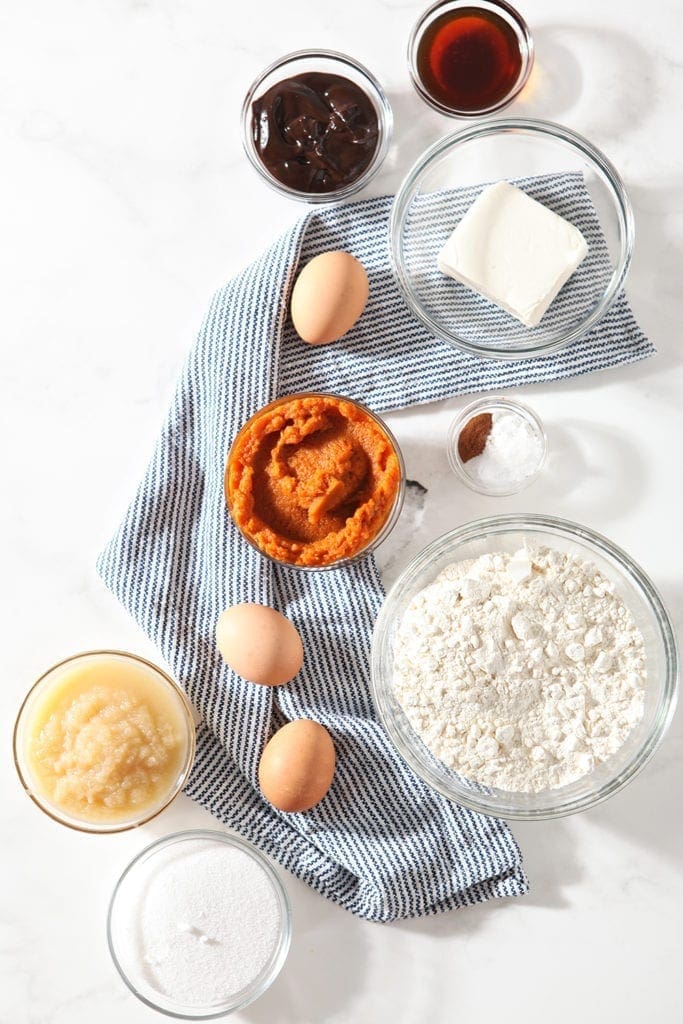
x=316, y=125
x=467, y=59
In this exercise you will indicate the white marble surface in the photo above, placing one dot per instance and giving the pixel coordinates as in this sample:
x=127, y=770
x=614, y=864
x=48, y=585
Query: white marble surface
x=125, y=201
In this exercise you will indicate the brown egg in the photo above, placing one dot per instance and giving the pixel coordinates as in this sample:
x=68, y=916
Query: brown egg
x=260, y=644
x=328, y=297
x=297, y=766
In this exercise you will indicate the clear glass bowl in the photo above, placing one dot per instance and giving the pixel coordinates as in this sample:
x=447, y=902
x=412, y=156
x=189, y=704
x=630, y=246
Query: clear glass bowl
x=332, y=62
x=390, y=521
x=493, y=405
x=22, y=726
x=426, y=210
x=505, y=11
x=133, y=973
x=508, y=533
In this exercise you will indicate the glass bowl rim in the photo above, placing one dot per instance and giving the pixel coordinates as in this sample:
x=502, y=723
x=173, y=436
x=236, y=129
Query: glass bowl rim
x=388, y=524
x=481, y=528
x=385, y=123
x=472, y=409
x=502, y=126
x=527, y=54
x=284, y=936
x=76, y=825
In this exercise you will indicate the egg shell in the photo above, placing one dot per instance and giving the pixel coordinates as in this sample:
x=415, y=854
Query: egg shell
x=328, y=297
x=260, y=644
x=297, y=766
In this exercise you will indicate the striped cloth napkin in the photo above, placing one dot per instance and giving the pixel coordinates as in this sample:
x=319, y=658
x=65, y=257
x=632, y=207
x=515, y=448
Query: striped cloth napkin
x=381, y=843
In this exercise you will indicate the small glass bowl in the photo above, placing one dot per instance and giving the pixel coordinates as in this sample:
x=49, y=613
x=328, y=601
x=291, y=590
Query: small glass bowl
x=52, y=676
x=426, y=210
x=505, y=11
x=390, y=521
x=142, y=988
x=301, y=62
x=510, y=533
x=493, y=405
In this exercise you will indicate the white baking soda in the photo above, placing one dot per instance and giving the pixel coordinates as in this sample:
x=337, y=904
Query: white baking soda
x=197, y=922
x=512, y=453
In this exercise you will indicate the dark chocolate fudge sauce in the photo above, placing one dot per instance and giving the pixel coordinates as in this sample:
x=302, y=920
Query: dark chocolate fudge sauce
x=315, y=132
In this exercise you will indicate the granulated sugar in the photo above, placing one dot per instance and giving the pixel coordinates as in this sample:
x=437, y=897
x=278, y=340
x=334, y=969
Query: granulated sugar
x=196, y=922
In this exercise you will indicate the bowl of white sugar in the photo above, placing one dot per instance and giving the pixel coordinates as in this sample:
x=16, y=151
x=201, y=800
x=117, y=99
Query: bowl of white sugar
x=199, y=925
x=524, y=666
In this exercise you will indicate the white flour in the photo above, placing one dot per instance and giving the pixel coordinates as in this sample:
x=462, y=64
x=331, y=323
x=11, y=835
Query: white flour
x=520, y=671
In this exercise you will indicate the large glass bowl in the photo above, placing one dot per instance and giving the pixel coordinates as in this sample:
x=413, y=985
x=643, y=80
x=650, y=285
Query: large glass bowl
x=445, y=182
x=509, y=533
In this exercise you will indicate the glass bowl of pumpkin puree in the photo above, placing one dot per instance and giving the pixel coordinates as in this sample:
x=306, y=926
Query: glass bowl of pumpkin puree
x=104, y=741
x=314, y=481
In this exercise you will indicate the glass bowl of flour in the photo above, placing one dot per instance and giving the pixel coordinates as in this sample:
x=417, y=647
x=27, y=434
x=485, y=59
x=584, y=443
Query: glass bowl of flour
x=524, y=666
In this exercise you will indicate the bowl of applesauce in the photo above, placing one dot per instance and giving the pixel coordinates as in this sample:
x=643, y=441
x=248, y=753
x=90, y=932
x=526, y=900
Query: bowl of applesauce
x=104, y=741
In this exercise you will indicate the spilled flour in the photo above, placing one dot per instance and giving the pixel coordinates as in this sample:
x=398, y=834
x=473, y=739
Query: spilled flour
x=520, y=671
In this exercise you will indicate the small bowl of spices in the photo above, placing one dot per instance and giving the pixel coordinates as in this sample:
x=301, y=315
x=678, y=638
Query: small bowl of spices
x=497, y=446
x=468, y=59
x=316, y=125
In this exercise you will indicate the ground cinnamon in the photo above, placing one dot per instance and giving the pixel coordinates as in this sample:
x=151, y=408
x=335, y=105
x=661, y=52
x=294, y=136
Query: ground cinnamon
x=474, y=435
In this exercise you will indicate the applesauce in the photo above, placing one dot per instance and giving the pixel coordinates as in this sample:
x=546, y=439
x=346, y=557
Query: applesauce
x=104, y=740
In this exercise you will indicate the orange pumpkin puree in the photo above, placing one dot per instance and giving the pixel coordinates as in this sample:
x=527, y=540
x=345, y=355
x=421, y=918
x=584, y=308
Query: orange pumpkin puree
x=312, y=479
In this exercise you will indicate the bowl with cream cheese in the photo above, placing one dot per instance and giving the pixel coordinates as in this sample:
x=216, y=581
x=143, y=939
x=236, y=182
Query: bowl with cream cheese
x=524, y=667
x=511, y=238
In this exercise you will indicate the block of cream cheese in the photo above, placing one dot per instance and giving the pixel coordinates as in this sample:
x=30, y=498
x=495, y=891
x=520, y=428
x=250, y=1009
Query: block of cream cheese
x=514, y=251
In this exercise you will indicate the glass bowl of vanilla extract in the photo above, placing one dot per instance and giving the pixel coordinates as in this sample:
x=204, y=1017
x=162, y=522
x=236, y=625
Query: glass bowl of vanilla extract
x=468, y=59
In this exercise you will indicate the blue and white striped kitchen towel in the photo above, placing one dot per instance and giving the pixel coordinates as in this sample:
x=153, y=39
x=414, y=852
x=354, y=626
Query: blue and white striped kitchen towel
x=381, y=844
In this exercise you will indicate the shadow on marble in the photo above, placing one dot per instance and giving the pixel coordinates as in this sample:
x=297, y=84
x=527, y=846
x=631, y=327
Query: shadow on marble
x=647, y=811
x=654, y=282
x=557, y=81
x=605, y=485
x=653, y=289
x=316, y=976
x=550, y=861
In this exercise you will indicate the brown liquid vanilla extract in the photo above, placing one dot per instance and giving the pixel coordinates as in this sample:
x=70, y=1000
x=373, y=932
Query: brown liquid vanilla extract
x=469, y=59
